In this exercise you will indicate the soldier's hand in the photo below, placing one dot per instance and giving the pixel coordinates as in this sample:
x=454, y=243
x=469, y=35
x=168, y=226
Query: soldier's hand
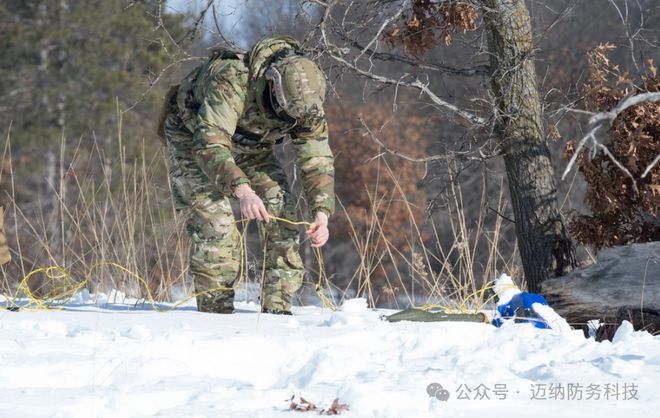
x=319, y=232
x=252, y=207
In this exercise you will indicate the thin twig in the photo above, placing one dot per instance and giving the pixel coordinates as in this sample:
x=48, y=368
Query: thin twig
x=650, y=167
x=375, y=139
x=596, y=121
x=336, y=53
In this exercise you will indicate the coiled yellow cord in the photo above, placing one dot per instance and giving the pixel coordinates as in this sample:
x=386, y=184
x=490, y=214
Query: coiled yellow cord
x=64, y=287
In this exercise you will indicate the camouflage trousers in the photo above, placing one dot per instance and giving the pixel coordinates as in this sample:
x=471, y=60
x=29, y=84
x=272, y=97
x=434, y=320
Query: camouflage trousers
x=215, y=251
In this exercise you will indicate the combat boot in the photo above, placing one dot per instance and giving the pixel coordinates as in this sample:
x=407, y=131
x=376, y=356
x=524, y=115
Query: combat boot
x=216, y=302
x=274, y=301
x=276, y=311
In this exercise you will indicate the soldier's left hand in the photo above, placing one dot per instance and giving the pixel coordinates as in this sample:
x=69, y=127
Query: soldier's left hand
x=319, y=232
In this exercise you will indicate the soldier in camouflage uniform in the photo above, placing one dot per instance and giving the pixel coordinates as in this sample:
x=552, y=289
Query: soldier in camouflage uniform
x=220, y=125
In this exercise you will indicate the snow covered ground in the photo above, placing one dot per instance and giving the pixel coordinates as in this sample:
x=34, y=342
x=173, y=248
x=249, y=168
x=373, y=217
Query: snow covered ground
x=95, y=360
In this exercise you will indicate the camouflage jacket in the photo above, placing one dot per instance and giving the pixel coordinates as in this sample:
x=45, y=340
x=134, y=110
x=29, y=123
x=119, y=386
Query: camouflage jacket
x=220, y=96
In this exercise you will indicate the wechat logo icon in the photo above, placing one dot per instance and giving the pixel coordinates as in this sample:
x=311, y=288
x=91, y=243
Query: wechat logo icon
x=437, y=391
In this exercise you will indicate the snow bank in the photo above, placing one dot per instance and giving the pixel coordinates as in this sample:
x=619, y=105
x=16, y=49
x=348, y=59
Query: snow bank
x=116, y=361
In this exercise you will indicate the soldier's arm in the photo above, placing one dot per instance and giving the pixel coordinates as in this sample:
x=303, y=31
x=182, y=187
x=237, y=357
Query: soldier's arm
x=222, y=105
x=316, y=162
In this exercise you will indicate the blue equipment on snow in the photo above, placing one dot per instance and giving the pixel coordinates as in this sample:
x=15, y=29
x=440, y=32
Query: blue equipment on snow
x=514, y=304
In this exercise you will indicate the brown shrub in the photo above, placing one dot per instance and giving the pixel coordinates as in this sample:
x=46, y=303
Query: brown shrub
x=620, y=215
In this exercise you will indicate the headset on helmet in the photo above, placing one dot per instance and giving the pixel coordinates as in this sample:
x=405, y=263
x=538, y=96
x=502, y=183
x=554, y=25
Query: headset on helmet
x=297, y=88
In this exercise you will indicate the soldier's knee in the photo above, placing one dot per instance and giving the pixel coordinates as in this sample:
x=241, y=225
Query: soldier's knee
x=283, y=262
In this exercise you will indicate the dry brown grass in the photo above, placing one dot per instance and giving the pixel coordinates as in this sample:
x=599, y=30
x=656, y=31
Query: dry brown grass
x=424, y=272
x=111, y=210
x=101, y=209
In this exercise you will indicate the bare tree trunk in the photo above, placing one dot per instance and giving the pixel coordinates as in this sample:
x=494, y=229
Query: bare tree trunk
x=545, y=248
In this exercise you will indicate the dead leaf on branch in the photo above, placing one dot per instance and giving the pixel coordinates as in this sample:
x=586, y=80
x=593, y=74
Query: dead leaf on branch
x=414, y=23
x=655, y=189
x=620, y=215
x=652, y=68
x=569, y=149
x=420, y=27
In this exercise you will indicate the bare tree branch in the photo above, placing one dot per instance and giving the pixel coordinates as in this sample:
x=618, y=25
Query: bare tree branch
x=618, y=164
x=386, y=22
x=477, y=70
x=391, y=151
x=650, y=167
x=596, y=122
x=624, y=104
x=338, y=54
x=155, y=81
x=590, y=135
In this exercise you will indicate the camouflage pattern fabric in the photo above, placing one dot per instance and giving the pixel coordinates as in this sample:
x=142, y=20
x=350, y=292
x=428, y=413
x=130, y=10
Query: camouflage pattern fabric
x=283, y=265
x=206, y=166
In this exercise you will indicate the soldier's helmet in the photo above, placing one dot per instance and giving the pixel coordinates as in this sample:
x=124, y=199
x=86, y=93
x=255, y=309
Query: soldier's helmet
x=297, y=89
x=291, y=84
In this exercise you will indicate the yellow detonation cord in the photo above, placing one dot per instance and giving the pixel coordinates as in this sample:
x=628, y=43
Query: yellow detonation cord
x=463, y=307
x=64, y=286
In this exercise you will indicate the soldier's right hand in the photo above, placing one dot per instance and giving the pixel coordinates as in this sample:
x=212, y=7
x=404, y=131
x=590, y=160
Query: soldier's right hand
x=252, y=207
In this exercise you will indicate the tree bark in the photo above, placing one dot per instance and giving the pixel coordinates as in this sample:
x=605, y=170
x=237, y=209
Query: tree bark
x=545, y=248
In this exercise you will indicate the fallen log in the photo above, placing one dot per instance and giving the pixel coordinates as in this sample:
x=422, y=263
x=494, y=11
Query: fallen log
x=624, y=284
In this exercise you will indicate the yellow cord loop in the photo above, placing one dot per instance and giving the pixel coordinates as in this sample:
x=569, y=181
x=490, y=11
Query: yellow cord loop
x=64, y=287
x=462, y=305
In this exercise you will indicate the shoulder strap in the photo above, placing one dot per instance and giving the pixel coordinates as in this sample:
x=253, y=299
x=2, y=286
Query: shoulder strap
x=226, y=52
